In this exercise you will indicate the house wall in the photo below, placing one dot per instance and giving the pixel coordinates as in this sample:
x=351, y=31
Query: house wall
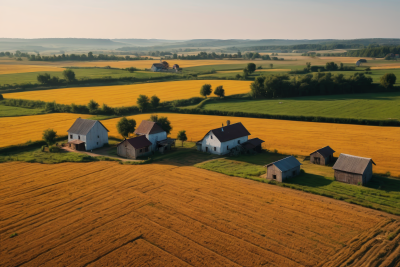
x=367, y=175
x=211, y=141
x=323, y=160
x=77, y=137
x=281, y=176
x=153, y=138
x=126, y=150
x=347, y=177
x=96, y=137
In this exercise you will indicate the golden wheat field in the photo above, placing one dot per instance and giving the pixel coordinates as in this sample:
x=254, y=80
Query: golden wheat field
x=107, y=214
x=9, y=68
x=18, y=130
x=126, y=95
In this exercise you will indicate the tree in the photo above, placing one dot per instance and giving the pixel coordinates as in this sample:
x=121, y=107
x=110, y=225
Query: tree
x=388, y=80
x=154, y=101
x=308, y=66
x=143, y=102
x=69, y=75
x=131, y=69
x=125, y=126
x=165, y=64
x=49, y=136
x=251, y=67
x=205, y=90
x=182, y=136
x=105, y=109
x=163, y=122
x=92, y=106
x=1, y=97
x=43, y=78
x=257, y=87
x=219, y=91
x=245, y=73
x=90, y=55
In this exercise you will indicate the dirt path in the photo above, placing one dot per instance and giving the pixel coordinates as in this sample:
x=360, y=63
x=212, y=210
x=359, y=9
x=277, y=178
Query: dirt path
x=101, y=152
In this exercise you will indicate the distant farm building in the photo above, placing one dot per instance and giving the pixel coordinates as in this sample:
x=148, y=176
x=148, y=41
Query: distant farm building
x=283, y=169
x=175, y=67
x=134, y=147
x=87, y=135
x=358, y=63
x=163, y=66
x=157, y=67
x=353, y=170
x=156, y=135
x=322, y=156
x=221, y=140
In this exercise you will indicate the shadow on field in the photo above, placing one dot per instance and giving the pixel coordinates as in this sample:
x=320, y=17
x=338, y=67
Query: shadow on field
x=384, y=183
x=310, y=180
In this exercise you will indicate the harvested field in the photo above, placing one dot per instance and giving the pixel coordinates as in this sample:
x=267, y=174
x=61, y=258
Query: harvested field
x=107, y=214
x=126, y=95
x=8, y=68
x=18, y=130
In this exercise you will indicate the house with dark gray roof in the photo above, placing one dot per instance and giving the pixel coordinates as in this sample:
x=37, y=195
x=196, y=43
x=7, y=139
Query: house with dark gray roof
x=221, y=140
x=134, y=147
x=322, y=156
x=283, y=169
x=353, y=170
x=158, y=67
x=87, y=134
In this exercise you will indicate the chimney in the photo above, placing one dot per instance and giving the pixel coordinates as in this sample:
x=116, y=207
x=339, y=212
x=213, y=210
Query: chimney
x=222, y=128
x=228, y=122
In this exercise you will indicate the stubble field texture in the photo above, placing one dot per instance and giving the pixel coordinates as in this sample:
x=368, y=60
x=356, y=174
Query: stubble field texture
x=107, y=214
x=8, y=68
x=288, y=137
x=126, y=95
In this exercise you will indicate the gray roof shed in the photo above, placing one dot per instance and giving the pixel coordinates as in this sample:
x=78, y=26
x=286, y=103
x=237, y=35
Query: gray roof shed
x=352, y=164
x=82, y=126
x=286, y=163
x=325, y=151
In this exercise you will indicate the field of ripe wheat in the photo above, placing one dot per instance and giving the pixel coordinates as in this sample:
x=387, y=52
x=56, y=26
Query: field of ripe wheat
x=107, y=214
x=18, y=130
x=8, y=68
x=126, y=95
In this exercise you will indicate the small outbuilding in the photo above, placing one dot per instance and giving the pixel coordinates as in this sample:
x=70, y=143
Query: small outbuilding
x=353, y=170
x=87, y=135
x=322, y=156
x=134, y=147
x=153, y=132
x=283, y=169
x=252, y=145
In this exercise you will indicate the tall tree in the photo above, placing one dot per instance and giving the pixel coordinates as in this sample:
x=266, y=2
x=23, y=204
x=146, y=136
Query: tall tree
x=49, y=136
x=69, y=75
x=93, y=106
x=43, y=78
x=182, y=136
x=205, y=90
x=388, y=80
x=125, y=126
x=143, y=102
x=219, y=91
x=251, y=67
x=163, y=122
x=154, y=101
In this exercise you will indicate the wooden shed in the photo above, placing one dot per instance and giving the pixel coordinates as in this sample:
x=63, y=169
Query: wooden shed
x=282, y=169
x=252, y=145
x=77, y=145
x=353, y=170
x=134, y=147
x=322, y=156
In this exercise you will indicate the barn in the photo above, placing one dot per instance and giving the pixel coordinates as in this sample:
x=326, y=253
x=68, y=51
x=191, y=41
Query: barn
x=252, y=145
x=134, y=147
x=353, y=170
x=282, y=169
x=322, y=156
x=87, y=135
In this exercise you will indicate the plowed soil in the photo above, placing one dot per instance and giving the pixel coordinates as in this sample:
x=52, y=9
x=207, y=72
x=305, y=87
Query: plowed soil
x=107, y=214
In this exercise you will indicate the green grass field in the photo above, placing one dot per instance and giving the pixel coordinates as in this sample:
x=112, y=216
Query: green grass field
x=381, y=193
x=365, y=106
x=7, y=111
x=31, y=77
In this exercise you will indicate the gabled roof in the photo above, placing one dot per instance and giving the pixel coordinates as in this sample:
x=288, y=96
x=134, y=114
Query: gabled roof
x=325, y=151
x=138, y=142
x=230, y=132
x=286, y=163
x=148, y=127
x=82, y=126
x=252, y=143
x=353, y=164
x=158, y=65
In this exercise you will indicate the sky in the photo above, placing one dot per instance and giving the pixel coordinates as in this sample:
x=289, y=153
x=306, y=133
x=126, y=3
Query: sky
x=205, y=19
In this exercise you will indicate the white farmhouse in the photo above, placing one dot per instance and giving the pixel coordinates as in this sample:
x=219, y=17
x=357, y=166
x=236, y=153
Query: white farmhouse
x=87, y=135
x=153, y=132
x=220, y=140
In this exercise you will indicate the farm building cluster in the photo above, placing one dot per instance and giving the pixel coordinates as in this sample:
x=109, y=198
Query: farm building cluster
x=231, y=140
x=163, y=66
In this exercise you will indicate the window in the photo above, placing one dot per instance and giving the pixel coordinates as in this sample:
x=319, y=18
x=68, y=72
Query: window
x=98, y=136
x=227, y=147
x=97, y=142
x=238, y=141
x=274, y=176
x=211, y=136
x=215, y=149
x=79, y=137
x=70, y=136
x=140, y=150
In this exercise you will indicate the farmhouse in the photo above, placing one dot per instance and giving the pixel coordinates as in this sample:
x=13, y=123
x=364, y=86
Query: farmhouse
x=322, y=156
x=353, y=170
x=157, y=67
x=87, y=135
x=134, y=147
x=221, y=140
x=156, y=135
x=282, y=169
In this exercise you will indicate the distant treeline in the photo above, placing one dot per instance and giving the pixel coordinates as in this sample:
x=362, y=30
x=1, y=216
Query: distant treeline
x=82, y=57
x=213, y=55
x=279, y=86
x=374, y=51
x=290, y=48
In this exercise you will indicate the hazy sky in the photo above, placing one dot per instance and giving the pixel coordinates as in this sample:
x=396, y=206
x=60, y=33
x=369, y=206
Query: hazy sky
x=214, y=19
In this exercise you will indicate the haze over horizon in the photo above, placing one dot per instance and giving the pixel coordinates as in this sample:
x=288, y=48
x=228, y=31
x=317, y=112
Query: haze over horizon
x=183, y=20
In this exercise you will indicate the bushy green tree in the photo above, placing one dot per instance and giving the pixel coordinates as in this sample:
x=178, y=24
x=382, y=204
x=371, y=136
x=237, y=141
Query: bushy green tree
x=1, y=97
x=105, y=109
x=49, y=136
x=388, y=80
x=43, y=78
x=93, y=106
x=126, y=126
x=205, y=90
x=154, y=101
x=143, y=102
x=251, y=67
x=182, y=136
x=69, y=75
x=219, y=91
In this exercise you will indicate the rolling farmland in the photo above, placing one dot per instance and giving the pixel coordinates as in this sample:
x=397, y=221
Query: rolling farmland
x=8, y=68
x=126, y=95
x=107, y=214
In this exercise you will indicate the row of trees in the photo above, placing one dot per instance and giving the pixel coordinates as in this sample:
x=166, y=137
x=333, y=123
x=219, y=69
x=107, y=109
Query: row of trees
x=277, y=86
x=206, y=90
x=82, y=57
x=47, y=79
x=377, y=51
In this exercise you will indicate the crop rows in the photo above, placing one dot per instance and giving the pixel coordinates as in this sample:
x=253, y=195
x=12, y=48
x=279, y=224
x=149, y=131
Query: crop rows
x=98, y=214
x=8, y=68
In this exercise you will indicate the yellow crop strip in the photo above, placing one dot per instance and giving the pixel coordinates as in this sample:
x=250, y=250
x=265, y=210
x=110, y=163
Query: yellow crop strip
x=8, y=68
x=126, y=95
